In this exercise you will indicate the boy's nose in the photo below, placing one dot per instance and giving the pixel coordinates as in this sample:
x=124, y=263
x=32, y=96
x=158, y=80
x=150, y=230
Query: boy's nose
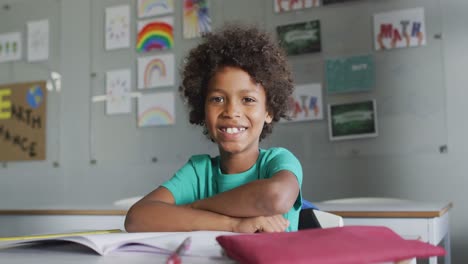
x=231, y=110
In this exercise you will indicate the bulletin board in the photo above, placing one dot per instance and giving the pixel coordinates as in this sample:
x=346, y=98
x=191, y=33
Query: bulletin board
x=23, y=121
x=39, y=25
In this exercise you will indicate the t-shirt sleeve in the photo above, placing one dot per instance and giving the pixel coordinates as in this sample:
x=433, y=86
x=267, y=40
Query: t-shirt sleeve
x=285, y=160
x=183, y=184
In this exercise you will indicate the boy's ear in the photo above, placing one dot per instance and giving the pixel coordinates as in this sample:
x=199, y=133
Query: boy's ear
x=268, y=118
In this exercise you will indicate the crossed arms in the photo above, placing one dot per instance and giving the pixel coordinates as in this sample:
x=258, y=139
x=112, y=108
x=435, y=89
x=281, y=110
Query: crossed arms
x=254, y=207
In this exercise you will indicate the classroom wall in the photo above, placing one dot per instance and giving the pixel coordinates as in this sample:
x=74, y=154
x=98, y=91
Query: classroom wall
x=95, y=159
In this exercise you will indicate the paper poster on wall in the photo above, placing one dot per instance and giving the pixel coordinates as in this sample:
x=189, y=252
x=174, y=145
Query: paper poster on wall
x=352, y=120
x=149, y=8
x=156, y=71
x=23, y=121
x=10, y=46
x=300, y=38
x=196, y=16
x=118, y=92
x=399, y=29
x=350, y=74
x=306, y=103
x=292, y=5
x=155, y=34
x=117, y=27
x=156, y=109
x=38, y=40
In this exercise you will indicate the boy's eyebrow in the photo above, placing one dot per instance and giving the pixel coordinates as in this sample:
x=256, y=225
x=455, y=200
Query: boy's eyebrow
x=210, y=90
x=243, y=90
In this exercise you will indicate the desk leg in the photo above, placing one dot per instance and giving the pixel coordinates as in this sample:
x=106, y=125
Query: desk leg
x=448, y=256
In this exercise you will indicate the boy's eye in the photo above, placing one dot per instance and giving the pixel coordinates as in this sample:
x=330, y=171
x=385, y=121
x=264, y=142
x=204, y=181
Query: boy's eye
x=249, y=100
x=217, y=99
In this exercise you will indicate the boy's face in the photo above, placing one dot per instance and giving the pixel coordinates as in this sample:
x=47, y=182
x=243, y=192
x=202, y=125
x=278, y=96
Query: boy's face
x=235, y=111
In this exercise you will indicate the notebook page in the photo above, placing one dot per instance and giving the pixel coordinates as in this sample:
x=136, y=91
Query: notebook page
x=203, y=244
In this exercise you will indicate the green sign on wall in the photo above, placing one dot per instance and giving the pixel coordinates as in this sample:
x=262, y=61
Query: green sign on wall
x=350, y=74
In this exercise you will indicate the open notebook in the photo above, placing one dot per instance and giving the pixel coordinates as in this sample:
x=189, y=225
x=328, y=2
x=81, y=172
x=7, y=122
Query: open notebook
x=116, y=242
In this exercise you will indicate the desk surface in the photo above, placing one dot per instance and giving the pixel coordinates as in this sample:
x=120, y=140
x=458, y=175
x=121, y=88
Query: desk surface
x=71, y=253
x=401, y=209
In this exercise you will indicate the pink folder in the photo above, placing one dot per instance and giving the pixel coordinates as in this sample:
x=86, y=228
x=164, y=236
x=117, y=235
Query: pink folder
x=350, y=244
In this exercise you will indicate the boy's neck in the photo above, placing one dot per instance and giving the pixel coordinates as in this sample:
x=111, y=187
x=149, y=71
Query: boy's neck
x=237, y=163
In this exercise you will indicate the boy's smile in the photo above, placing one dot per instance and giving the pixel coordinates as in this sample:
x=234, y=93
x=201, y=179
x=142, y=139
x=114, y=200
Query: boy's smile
x=235, y=111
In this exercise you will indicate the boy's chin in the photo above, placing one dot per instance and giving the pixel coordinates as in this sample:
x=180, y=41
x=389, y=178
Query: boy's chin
x=232, y=148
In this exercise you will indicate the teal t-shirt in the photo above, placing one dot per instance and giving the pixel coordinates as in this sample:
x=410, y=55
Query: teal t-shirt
x=201, y=177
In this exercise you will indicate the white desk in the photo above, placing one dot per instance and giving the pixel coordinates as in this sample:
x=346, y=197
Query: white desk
x=71, y=253
x=39, y=221
x=428, y=222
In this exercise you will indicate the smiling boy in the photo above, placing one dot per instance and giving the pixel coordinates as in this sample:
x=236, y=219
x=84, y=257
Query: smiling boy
x=237, y=84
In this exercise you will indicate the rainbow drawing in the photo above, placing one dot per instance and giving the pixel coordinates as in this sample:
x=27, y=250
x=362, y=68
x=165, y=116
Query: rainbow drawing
x=147, y=8
x=156, y=71
x=156, y=109
x=154, y=117
x=155, y=35
x=154, y=68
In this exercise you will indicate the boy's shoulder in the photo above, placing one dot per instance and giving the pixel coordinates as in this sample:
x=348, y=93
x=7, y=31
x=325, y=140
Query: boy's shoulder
x=276, y=154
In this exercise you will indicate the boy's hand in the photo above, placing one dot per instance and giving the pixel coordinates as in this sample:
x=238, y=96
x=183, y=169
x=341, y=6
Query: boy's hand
x=268, y=224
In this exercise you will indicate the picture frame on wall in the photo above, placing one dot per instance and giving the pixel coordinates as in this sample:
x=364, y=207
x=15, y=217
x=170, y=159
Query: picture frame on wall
x=331, y=2
x=281, y=6
x=352, y=120
x=300, y=38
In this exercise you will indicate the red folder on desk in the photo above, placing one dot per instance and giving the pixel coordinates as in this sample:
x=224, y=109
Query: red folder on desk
x=350, y=244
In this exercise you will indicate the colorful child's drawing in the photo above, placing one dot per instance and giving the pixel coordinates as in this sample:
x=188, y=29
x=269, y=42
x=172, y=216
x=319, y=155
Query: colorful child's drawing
x=290, y=5
x=300, y=38
x=156, y=71
x=399, y=29
x=117, y=27
x=155, y=34
x=118, y=86
x=306, y=103
x=38, y=40
x=149, y=8
x=10, y=46
x=197, y=19
x=156, y=109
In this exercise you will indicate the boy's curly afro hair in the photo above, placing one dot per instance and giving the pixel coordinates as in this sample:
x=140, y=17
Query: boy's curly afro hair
x=249, y=49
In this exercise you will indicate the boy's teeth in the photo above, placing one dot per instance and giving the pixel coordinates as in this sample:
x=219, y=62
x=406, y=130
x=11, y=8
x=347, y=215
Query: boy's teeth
x=234, y=130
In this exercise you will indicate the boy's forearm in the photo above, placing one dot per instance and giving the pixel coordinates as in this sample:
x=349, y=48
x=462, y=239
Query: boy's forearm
x=253, y=199
x=155, y=216
x=264, y=197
